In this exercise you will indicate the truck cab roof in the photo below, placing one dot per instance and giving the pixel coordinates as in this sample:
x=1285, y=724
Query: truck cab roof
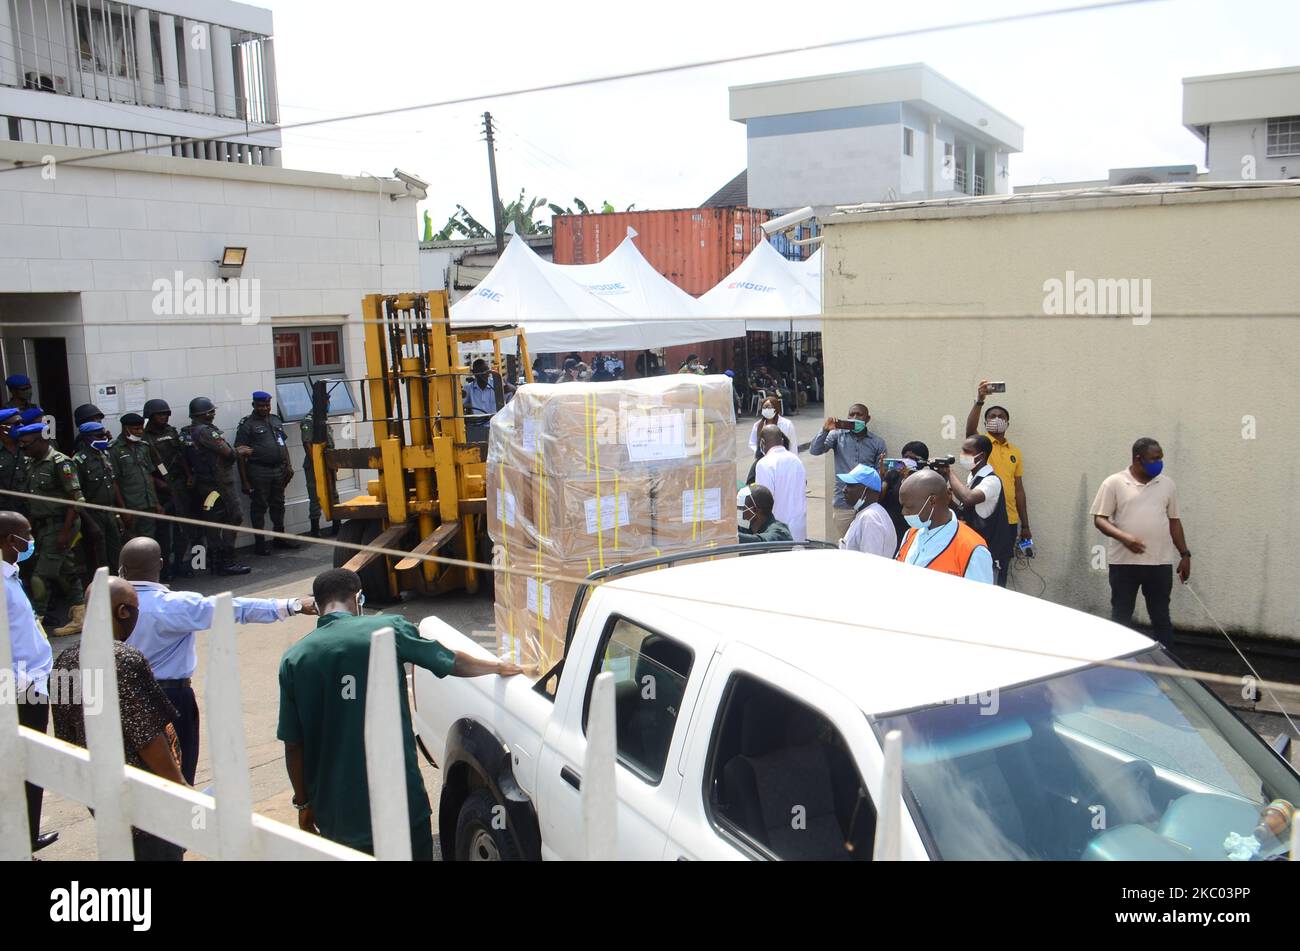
x=889, y=636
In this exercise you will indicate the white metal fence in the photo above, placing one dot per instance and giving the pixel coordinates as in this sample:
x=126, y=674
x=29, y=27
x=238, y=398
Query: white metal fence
x=223, y=826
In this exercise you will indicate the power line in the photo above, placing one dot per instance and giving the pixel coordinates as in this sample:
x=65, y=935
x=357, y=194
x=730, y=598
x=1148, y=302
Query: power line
x=654, y=71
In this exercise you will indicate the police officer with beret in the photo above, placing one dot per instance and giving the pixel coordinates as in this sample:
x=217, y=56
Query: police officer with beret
x=173, y=482
x=52, y=481
x=20, y=392
x=13, y=467
x=266, y=470
x=135, y=471
x=216, y=499
x=98, y=477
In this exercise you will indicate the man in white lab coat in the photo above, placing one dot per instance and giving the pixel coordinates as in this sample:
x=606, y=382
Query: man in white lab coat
x=783, y=473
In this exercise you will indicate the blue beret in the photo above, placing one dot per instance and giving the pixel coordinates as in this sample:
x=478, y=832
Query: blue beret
x=8, y=413
x=32, y=414
x=30, y=429
x=17, y=382
x=90, y=427
x=262, y=395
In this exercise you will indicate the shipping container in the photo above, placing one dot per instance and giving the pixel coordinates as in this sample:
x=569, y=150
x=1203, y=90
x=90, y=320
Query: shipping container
x=694, y=248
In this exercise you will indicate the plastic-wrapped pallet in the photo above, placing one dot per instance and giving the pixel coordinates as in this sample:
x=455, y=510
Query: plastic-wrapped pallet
x=582, y=476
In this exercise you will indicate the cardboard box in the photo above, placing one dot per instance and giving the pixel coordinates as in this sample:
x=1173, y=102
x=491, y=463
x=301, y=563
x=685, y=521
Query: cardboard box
x=694, y=507
x=511, y=507
x=602, y=519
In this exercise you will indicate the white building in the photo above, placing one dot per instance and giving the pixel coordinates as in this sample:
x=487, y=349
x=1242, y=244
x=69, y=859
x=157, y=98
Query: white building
x=1249, y=122
x=110, y=289
x=106, y=75
x=895, y=133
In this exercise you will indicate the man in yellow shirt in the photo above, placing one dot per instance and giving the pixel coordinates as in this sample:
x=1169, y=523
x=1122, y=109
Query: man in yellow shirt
x=1008, y=464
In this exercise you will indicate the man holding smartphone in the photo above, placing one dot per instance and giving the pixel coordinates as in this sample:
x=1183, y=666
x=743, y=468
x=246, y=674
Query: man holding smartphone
x=853, y=445
x=1007, y=460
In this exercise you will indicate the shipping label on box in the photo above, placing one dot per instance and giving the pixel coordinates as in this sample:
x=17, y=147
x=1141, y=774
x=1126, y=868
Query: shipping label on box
x=539, y=591
x=506, y=508
x=705, y=505
x=653, y=437
x=606, y=511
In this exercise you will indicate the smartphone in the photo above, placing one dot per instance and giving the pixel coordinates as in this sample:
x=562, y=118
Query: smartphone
x=997, y=387
x=845, y=423
x=894, y=464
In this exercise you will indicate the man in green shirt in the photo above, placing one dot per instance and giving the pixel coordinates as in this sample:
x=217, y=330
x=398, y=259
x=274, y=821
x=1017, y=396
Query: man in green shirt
x=323, y=713
x=757, y=522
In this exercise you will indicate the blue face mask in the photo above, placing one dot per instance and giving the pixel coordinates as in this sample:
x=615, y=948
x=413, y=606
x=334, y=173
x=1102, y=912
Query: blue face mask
x=100, y=444
x=921, y=525
x=1153, y=469
x=24, y=554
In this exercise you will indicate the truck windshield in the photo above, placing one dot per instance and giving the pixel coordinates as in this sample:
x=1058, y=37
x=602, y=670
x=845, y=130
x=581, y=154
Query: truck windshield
x=1098, y=764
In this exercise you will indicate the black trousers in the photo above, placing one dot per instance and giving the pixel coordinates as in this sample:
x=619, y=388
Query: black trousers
x=34, y=713
x=1156, y=583
x=187, y=724
x=267, y=483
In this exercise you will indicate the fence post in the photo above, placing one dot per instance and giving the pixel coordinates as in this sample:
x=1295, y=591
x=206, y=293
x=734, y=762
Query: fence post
x=104, y=729
x=599, y=792
x=889, y=823
x=15, y=846
x=232, y=787
x=390, y=817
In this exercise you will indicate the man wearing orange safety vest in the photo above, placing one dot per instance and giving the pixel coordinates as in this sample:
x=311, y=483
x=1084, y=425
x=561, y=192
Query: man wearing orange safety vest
x=936, y=538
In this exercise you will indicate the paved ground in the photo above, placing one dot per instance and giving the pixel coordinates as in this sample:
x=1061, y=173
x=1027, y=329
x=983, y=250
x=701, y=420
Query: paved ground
x=289, y=573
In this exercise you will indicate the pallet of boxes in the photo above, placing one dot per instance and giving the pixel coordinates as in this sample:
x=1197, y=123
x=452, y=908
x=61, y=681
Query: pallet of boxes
x=582, y=476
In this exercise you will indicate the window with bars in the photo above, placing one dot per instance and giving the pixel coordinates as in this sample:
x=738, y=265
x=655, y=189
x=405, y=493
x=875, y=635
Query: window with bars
x=302, y=356
x=103, y=38
x=1283, y=136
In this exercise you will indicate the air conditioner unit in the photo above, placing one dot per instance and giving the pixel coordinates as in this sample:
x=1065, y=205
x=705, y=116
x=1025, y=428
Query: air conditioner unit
x=44, y=82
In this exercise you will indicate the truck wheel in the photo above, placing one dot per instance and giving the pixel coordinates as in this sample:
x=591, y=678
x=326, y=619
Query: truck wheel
x=477, y=838
x=374, y=577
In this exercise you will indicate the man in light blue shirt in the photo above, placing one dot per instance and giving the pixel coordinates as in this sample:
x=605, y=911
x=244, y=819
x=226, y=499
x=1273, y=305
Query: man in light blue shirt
x=32, y=658
x=166, y=633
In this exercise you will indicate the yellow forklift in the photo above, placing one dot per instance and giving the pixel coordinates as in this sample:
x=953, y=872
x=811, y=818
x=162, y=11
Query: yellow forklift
x=429, y=494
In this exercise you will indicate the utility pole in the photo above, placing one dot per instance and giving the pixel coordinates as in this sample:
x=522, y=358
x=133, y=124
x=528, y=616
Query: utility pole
x=492, y=173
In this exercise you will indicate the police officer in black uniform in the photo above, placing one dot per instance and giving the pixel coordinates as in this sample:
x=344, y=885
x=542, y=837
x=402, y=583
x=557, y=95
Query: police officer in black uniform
x=267, y=470
x=216, y=498
x=174, y=482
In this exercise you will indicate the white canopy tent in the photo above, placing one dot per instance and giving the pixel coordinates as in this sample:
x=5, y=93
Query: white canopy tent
x=620, y=303
x=768, y=292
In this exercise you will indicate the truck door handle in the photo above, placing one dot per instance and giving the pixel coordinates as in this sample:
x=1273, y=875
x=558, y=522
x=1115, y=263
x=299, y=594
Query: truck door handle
x=570, y=777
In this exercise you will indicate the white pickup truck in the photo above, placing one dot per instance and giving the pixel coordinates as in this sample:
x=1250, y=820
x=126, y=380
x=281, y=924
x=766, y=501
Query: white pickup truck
x=753, y=693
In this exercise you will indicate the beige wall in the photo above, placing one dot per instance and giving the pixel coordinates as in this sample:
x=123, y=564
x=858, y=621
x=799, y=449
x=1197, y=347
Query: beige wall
x=946, y=297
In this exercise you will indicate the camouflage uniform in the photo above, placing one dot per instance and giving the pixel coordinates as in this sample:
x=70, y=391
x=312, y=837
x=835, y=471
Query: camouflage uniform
x=54, y=477
x=309, y=468
x=135, y=470
x=98, y=478
x=13, y=477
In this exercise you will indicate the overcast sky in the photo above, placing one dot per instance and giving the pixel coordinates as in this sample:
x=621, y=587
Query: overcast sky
x=1093, y=90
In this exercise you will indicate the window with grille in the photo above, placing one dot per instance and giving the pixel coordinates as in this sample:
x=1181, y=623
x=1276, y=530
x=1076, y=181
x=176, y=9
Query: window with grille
x=1283, y=136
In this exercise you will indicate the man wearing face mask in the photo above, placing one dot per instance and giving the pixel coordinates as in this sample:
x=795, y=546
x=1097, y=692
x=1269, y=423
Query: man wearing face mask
x=165, y=633
x=983, y=502
x=52, y=481
x=13, y=467
x=784, y=474
x=216, y=492
x=323, y=727
x=936, y=538
x=135, y=477
x=1006, y=459
x=30, y=651
x=98, y=478
x=872, y=531
x=854, y=445
x=1137, y=510
x=757, y=523
x=20, y=392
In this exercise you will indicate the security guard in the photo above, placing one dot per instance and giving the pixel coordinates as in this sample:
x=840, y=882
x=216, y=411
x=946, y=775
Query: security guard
x=52, y=476
x=13, y=467
x=135, y=470
x=266, y=470
x=98, y=477
x=87, y=413
x=20, y=392
x=173, y=483
x=216, y=499
x=307, y=428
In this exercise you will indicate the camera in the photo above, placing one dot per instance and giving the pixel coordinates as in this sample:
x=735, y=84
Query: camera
x=939, y=462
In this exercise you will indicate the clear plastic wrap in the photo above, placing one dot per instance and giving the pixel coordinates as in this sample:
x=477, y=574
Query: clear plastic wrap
x=582, y=476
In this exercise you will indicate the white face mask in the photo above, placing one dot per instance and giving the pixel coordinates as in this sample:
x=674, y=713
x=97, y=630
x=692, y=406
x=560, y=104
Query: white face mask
x=996, y=426
x=131, y=438
x=967, y=461
x=768, y=412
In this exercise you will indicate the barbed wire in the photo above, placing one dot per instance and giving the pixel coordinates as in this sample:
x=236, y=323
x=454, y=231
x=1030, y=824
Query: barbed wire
x=625, y=583
x=649, y=71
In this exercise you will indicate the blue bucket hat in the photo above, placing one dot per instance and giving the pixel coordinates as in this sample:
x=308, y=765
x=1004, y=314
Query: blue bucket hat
x=862, y=475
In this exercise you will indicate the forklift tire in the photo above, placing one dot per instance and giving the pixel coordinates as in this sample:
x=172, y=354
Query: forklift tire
x=374, y=577
x=477, y=837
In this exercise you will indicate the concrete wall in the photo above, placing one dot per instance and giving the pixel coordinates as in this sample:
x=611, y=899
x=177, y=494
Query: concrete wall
x=107, y=232
x=1231, y=143
x=1214, y=375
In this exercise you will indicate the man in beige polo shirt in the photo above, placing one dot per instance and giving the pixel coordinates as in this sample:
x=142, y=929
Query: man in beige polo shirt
x=1137, y=509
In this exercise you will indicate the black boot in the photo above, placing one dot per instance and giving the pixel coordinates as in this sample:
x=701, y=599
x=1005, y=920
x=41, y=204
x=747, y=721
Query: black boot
x=230, y=568
x=334, y=529
x=315, y=528
x=261, y=546
x=284, y=542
